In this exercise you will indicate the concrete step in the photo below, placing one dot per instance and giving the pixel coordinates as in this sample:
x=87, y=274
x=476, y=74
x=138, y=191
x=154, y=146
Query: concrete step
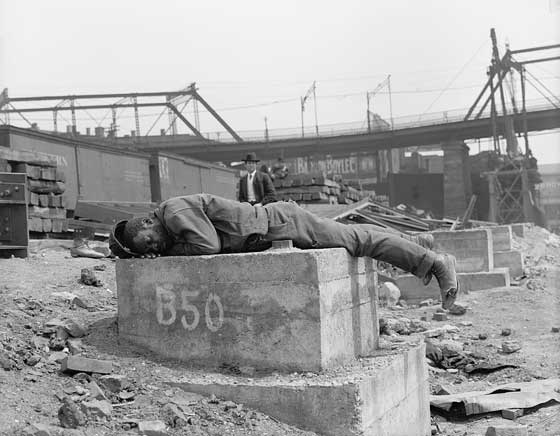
x=298, y=310
x=511, y=259
x=384, y=395
x=501, y=238
x=413, y=290
x=473, y=249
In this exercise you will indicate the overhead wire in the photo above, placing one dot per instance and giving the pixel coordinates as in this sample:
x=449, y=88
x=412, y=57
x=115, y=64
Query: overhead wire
x=542, y=84
x=484, y=43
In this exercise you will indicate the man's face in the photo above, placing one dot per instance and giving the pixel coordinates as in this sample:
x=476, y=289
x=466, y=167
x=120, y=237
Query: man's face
x=250, y=166
x=152, y=238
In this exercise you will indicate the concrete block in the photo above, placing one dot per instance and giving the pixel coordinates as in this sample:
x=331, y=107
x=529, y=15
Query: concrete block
x=385, y=395
x=59, y=225
x=35, y=224
x=501, y=238
x=301, y=310
x=512, y=413
x=473, y=249
x=413, y=290
x=83, y=364
x=32, y=198
x=512, y=260
x=520, y=229
x=32, y=171
x=60, y=175
x=47, y=225
x=48, y=173
x=43, y=200
x=55, y=200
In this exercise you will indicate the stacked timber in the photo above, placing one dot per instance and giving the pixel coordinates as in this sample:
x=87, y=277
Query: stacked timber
x=45, y=187
x=315, y=188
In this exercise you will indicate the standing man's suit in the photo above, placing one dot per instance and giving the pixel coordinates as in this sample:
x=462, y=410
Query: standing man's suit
x=262, y=187
x=255, y=187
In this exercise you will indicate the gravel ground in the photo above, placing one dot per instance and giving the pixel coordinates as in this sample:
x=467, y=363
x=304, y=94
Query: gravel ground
x=32, y=292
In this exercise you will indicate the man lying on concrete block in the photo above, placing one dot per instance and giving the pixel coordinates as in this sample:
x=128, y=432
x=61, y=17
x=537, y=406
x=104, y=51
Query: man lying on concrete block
x=207, y=224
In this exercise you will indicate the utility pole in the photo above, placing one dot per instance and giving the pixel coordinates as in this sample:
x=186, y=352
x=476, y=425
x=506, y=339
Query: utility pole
x=390, y=101
x=371, y=94
x=367, y=113
x=524, y=111
x=315, y=108
x=310, y=91
x=74, y=129
x=136, y=116
x=266, y=129
x=114, y=124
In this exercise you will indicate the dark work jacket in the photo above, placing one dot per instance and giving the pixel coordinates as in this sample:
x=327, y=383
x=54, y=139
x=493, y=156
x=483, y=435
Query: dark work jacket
x=262, y=186
x=206, y=224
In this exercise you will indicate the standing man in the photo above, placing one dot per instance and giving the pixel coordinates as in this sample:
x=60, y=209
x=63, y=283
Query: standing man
x=255, y=188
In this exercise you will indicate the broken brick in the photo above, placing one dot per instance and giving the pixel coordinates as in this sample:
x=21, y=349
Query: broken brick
x=512, y=413
x=70, y=415
x=173, y=416
x=511, y=346
x=95, y=391
x=114, y=382
x=152, y=428
x=84, y=364
x=438, y=316
x=99, y=408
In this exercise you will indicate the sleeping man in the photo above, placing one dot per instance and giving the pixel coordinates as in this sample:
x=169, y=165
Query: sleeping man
x=202, y=224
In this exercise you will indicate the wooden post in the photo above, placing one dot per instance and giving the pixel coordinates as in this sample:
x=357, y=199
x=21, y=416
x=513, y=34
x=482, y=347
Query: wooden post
x=492, y=206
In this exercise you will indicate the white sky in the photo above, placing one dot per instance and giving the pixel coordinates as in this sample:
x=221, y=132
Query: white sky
x=254, y=53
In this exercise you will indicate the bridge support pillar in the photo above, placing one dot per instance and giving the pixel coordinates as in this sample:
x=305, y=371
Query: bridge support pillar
x=457, y=187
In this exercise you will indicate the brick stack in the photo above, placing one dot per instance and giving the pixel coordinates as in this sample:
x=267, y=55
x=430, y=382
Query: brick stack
x=315, y=188
x=45, y=186
x=349, y=194
x=307, y=188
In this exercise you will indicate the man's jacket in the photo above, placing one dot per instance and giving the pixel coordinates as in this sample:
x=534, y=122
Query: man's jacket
x=262, y=187
x=205, y=224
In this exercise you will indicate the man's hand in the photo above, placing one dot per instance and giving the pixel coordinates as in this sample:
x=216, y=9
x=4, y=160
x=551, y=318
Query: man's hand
x=150, y=256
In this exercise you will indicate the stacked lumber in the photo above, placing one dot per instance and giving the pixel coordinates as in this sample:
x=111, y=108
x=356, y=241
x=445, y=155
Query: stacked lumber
x=371, y=212
x=45, y=187
x=315, y=188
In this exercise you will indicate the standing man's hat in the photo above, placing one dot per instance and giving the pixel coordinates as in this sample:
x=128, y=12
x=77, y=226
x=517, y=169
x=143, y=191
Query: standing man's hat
x=251, y=157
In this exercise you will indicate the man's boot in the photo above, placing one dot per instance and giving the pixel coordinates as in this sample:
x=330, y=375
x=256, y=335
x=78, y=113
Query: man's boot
x=444, y=271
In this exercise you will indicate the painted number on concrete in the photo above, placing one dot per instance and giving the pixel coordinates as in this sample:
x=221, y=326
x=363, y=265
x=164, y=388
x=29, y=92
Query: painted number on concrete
x=166, y=312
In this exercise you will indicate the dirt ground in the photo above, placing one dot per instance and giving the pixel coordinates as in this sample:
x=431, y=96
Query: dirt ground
x=32, y=386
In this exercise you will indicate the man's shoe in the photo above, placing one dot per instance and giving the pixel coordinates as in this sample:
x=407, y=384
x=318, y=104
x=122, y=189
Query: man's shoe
x=444, y=271
x=425, y=240
x=83, y=250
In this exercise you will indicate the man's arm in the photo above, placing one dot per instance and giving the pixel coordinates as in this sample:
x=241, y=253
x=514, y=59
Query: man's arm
x=268, y=190
x=242, y=192
x=194, y=231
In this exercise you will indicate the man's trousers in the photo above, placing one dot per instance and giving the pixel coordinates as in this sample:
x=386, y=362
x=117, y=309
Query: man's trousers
x=289, y=221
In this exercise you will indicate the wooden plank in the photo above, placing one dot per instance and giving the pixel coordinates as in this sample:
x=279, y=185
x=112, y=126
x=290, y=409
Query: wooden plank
x=46, y=187
x=31, y=157
x=80, y=224
x=469, y=211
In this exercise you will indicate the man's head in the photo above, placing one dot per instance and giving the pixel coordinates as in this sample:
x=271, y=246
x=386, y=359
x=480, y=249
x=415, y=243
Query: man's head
x=251, y=162
x=140, y=236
